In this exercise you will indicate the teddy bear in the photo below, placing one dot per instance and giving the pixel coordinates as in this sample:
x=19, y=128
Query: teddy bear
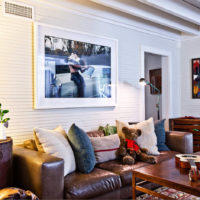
x=128, y=151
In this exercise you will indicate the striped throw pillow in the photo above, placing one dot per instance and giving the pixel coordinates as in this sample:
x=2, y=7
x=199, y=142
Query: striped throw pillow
x=105, y=147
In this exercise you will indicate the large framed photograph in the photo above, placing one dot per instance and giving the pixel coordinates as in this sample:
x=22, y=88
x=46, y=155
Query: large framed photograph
x=73, y=69
x=196, y=78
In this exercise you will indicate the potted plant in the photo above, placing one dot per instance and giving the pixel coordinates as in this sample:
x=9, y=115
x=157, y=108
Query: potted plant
x=3, y=123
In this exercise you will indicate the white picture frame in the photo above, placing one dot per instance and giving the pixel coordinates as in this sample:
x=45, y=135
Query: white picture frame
x=53, y=86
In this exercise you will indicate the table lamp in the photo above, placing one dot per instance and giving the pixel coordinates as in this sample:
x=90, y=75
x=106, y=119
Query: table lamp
x=144, y=82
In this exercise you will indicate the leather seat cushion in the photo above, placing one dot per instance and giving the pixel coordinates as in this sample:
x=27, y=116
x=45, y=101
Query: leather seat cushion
x=81, y=186
x=125, y=171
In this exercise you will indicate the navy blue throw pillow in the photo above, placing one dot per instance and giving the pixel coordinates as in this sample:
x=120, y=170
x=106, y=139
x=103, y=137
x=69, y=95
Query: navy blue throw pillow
x=83, y=149
x=161, y=136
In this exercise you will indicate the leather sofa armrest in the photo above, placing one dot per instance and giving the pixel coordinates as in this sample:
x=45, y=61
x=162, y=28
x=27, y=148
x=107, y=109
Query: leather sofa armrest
x=41, y=173
x=180, y=141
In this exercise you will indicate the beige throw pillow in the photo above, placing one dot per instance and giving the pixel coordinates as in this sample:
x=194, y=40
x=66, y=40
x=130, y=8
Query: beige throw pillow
x=56, y=144
x=59, y=129
x=148, y=138
x=105, y=147
x=119, y=126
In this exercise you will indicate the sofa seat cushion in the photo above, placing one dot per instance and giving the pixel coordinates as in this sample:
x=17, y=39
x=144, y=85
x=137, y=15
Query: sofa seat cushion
x=82, y=186
x=125, y=171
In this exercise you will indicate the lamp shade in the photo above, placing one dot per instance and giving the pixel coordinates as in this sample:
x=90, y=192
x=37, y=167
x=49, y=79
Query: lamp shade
x=143, y=81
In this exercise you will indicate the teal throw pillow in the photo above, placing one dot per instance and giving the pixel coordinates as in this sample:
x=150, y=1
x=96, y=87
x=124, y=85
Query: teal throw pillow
x=83, y=150
x=161, y=136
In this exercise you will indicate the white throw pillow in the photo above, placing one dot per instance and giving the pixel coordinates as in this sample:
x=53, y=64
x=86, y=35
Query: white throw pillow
x=148, y=137
x=105, y=147
x=56, y=144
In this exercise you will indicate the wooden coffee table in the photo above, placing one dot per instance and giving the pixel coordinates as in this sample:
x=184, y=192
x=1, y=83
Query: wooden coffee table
x=166, y=174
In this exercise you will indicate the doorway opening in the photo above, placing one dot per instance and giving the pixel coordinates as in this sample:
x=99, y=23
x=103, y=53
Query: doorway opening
x=153, y=73
x=158, y=63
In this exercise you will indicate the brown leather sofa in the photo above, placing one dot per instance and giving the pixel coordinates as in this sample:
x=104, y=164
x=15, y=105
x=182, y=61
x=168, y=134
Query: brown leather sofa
x=43, y=174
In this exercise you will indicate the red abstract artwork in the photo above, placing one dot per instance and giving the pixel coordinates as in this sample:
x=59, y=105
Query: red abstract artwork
x=196, y=78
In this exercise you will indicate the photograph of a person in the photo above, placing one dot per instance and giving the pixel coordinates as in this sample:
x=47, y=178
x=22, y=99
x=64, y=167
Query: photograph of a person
x=75, y=69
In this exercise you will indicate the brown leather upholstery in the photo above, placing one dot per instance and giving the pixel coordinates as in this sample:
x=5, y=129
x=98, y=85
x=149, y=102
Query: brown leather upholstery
x=17, y=193
x=95, y=133
x=180, y=141
x=5, y=162
x=125, y=171
x=39, y=172
x=84, y=186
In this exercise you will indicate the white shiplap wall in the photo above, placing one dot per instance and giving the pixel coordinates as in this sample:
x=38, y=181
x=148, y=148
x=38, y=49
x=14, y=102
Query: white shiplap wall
x=190, y=49
x=16, y=73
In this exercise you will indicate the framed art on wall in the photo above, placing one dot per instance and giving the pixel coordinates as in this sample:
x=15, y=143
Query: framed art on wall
x=196, y=78
x=155, y=79
x=73, y=69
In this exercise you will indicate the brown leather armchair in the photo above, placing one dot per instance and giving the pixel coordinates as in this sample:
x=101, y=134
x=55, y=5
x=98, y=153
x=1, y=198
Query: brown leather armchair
x=43, y=174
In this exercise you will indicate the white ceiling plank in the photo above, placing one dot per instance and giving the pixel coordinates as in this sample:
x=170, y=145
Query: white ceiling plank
x=195, y=3
x=151, y=14
x=89, y=9
x=177, y=8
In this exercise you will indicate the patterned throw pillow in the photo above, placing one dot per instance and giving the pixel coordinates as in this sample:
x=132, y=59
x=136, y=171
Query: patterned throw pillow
x=83, y=150
x=30, y=144
x=105, y=147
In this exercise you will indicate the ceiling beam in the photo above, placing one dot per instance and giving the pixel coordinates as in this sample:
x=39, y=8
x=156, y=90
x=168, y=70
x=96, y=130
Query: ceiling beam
x=151, y=14
x=177, y=8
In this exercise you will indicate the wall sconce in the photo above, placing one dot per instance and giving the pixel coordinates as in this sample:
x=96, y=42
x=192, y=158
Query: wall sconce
x=144, y=82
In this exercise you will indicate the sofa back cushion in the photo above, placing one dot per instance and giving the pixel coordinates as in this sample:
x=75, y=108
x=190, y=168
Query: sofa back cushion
x=105, y=147
x=83, y=150
x=95, y=133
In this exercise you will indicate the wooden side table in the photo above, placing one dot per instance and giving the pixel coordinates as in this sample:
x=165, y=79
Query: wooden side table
x=187, y=125
x=5, y=162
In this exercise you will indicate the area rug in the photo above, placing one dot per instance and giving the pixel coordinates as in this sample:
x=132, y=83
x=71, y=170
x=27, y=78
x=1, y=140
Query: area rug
x=168, y=192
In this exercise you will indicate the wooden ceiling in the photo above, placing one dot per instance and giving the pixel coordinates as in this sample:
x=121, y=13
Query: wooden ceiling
x=180, y=15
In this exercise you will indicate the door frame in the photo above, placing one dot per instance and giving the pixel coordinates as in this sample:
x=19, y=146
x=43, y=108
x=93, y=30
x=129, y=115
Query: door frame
x=166, y=78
